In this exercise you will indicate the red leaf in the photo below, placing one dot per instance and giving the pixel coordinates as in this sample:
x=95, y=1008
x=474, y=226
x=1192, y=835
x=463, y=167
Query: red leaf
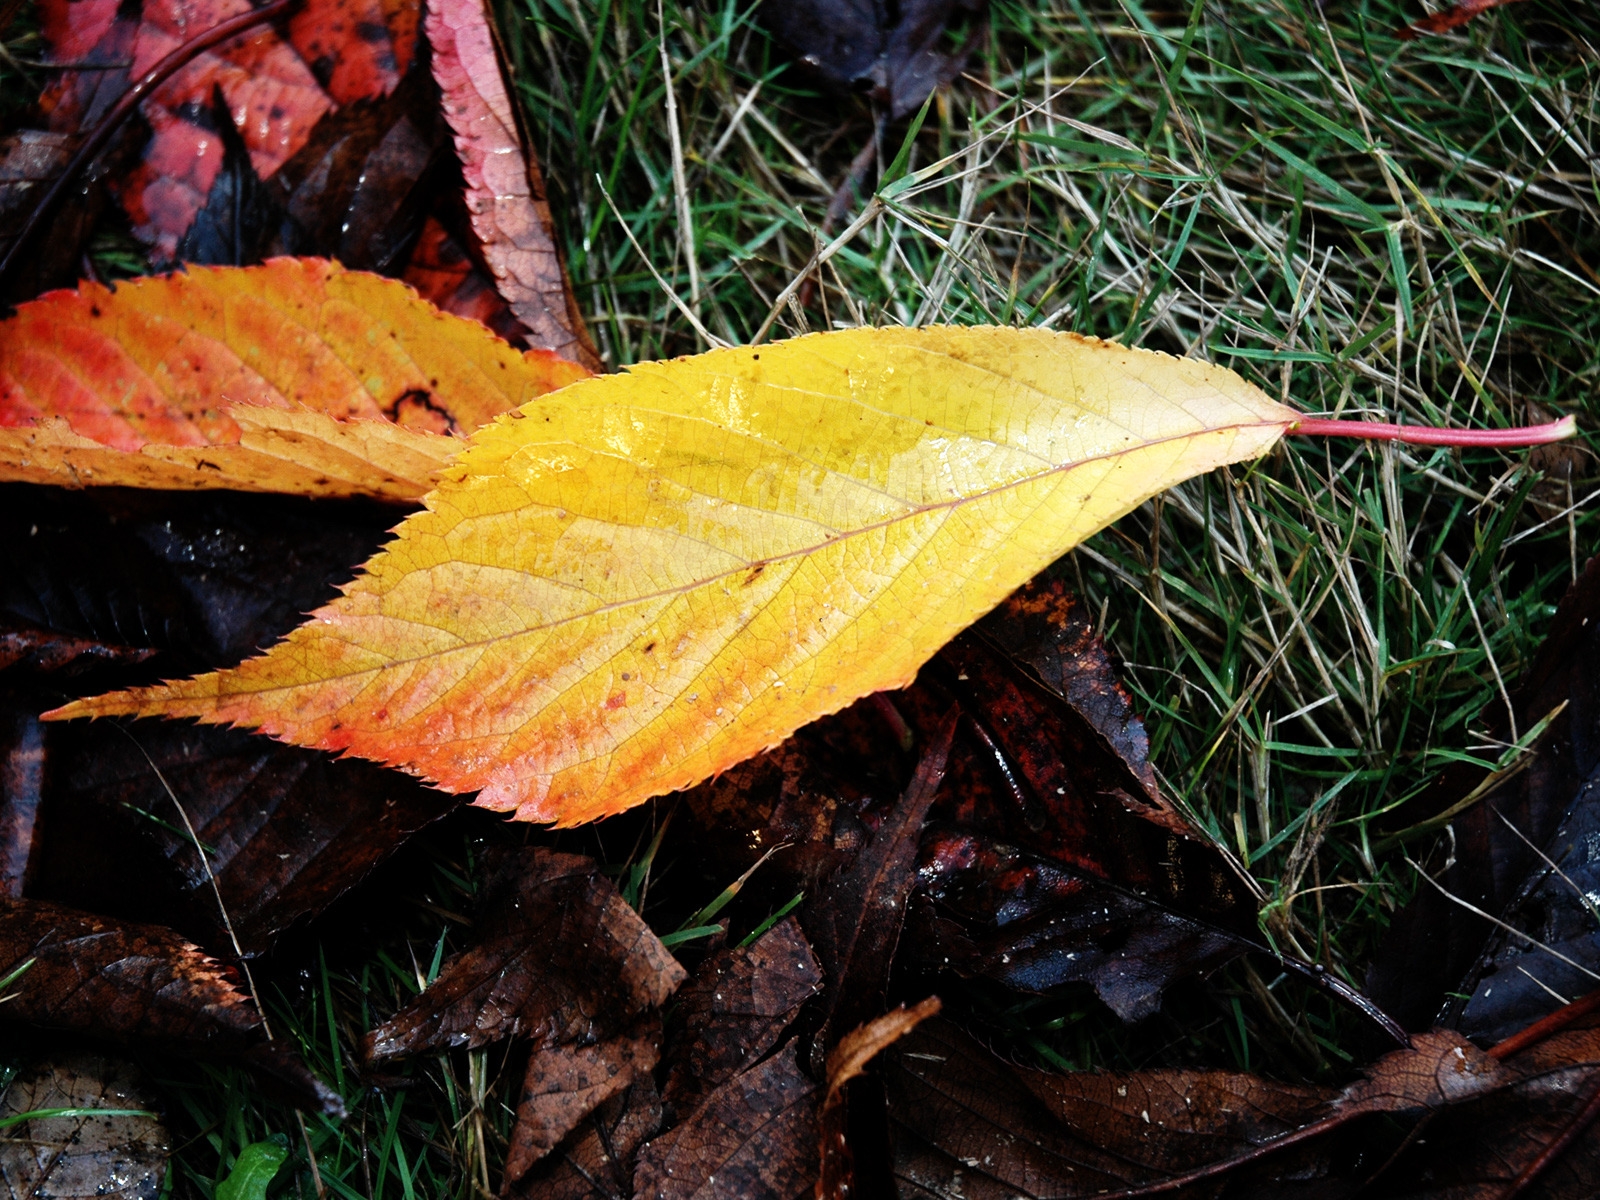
x=1453, y=17
x=505, y=191
x=338, y=51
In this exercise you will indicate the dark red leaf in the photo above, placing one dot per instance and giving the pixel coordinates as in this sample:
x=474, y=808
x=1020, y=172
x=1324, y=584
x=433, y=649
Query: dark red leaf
x=561, y=959
x=276, y=89
x=446, y=277
x=735, y=1008
x=1451, y=17
x=753, y=1138
x=31, y=648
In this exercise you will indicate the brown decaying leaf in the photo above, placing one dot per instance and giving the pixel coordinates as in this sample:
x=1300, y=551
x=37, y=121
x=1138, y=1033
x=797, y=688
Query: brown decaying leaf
x=82, y=1157
x=561, y=959
x=564, y=1083
x=288, y=831
x=855, y=920
x=734, y=1009
x=836, y=1173
x=1492, y=856
x=753, y=1138
x=504, y=189
x=90, y=974
x=596, y=1162
x=1466, y=1126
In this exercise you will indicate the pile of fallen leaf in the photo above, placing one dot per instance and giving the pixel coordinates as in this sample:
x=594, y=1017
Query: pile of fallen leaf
x=194, y=461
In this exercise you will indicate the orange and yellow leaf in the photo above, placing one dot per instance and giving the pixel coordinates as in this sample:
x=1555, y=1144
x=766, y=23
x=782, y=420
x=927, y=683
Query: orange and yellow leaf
x=295, y=376
x=628, y=585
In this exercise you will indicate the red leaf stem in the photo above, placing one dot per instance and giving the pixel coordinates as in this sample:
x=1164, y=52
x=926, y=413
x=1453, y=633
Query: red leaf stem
x=1430, y=435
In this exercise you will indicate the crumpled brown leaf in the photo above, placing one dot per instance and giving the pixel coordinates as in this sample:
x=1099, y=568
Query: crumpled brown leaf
x=561, y=958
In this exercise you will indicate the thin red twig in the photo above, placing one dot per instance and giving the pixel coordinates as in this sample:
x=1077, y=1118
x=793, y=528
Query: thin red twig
x=1429, y=435
x=120, y=111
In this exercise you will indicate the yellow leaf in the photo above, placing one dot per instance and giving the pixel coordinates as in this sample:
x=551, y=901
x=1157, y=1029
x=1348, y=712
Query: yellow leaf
x=628, y=585
x=295, y=376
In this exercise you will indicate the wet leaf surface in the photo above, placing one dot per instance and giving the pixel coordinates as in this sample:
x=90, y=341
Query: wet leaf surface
x=287, y=831
x=79, y=1155
x=277, y=87
x=566, y=1082
x=854, y=921
x=735, y=1008
x=753, y=1138
x=597, y=1161
x=561, y=959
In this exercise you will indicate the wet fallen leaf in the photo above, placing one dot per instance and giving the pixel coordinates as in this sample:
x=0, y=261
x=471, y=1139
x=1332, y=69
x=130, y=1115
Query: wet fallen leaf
x=1452, y=16
x=735, y=1008
x=561, y=959
x=504, y=188
x=21, y=790
x=753, y=1138
x=895, y=53
x=275, y=88
x=79, y=972
x=362, y=186
x=854, y=921
x=836, y=1174
x=967, y=1123
x=287, y=831
x=630, y=585
x=295, y=376
x=566, y=1082
x=30, y=648
x=446, y=277
x=987, y=908
x=79, y=1126
x=596, y=1162
x=1491, y=857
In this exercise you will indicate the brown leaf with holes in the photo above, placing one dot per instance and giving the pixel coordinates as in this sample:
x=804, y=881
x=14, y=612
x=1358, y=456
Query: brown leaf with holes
x=561, y=959
x=734, y=1009
x=121, y=1155
x=753, y=1138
